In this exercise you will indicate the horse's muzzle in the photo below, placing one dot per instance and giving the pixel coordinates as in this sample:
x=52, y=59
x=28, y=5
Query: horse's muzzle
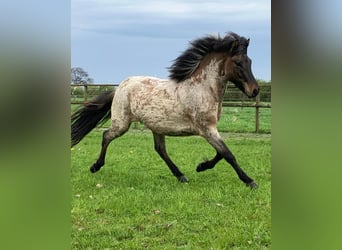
x=255, y=92
x=252, y=91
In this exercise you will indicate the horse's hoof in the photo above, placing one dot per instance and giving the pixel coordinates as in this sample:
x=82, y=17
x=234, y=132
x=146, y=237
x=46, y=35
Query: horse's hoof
x=183, y=179
x=252, y=185
x=93, y=168
x=200, y=167
x=203, y=166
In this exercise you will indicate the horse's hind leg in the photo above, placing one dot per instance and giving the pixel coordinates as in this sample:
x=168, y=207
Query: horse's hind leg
x=107, y=137
x=159, y=146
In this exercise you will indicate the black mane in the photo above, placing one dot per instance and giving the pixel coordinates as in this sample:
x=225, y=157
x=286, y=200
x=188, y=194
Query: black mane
x=186, y=64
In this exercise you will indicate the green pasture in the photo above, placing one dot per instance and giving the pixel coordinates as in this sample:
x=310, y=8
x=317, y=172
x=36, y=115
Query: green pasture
x=242, y=120
x=134, y=202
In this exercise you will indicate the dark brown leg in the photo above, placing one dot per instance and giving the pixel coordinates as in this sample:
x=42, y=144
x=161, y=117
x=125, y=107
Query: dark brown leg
x=108, y=136
x=215, y=140
x=209, y=164
x=159, y=146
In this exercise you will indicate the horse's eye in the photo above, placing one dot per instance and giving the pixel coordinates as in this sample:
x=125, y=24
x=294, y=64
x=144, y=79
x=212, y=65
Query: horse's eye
x=238, y=63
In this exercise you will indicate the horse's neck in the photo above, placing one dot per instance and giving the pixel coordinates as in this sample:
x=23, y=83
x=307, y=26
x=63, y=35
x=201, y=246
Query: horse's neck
x=209, y=78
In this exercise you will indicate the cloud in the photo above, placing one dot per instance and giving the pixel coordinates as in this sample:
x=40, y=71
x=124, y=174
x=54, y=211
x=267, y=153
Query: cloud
x=121, y=32
x=163, y=18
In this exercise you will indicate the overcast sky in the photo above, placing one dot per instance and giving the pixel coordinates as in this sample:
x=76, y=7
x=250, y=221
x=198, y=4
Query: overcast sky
x=112, y=40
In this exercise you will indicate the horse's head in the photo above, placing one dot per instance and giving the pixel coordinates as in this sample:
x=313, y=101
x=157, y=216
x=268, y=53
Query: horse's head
x=237, y=68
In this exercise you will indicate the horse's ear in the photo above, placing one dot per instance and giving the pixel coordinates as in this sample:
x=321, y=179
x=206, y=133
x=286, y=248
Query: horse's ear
x=235, y=45
x=248, y=41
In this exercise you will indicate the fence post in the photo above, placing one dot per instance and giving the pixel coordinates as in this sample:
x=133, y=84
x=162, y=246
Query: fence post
x=85, y=92
x=257, y=100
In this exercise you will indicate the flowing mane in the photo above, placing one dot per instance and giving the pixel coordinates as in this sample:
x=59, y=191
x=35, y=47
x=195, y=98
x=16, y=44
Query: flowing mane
x=186, y=64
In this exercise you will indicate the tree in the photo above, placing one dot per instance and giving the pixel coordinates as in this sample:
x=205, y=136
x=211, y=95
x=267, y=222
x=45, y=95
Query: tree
x=261, y=81
x=79, y=76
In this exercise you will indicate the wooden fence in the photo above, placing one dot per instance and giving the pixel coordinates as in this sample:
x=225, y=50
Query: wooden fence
x=233, y=97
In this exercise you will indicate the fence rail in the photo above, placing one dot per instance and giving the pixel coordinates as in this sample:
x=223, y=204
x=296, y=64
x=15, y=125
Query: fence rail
x=233, y=97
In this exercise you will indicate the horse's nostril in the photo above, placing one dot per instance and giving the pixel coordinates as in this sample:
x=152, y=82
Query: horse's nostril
x=256, y=92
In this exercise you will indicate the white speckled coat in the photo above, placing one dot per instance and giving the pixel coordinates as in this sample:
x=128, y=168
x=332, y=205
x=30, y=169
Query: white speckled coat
x=168, y=107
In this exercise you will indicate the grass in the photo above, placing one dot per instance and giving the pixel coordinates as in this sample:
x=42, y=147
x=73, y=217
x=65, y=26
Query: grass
x=134, y=202
x=242, y=120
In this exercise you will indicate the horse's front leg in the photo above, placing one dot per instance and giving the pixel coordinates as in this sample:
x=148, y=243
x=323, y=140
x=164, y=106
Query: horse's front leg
x=209, y=164
x=159, y=146
x=215, y=140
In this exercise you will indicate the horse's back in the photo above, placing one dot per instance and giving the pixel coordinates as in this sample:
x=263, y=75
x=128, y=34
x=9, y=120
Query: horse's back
x=138, y=93
x=141, y=90
x=154, y=102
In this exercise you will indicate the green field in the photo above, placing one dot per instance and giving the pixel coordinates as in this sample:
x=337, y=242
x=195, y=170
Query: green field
x=134, y=202
x=242, y=120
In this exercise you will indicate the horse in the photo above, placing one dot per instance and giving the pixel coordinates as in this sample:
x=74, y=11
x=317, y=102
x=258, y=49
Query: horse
x=188, y=103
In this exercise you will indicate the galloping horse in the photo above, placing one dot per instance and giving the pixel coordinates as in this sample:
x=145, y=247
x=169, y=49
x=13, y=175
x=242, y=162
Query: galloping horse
x=188, y=103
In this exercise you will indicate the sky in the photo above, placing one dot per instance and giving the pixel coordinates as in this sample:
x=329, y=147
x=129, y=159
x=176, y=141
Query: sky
x=112, y=40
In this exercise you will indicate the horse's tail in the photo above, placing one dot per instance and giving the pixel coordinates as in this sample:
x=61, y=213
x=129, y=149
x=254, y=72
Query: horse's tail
x=90, y=115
